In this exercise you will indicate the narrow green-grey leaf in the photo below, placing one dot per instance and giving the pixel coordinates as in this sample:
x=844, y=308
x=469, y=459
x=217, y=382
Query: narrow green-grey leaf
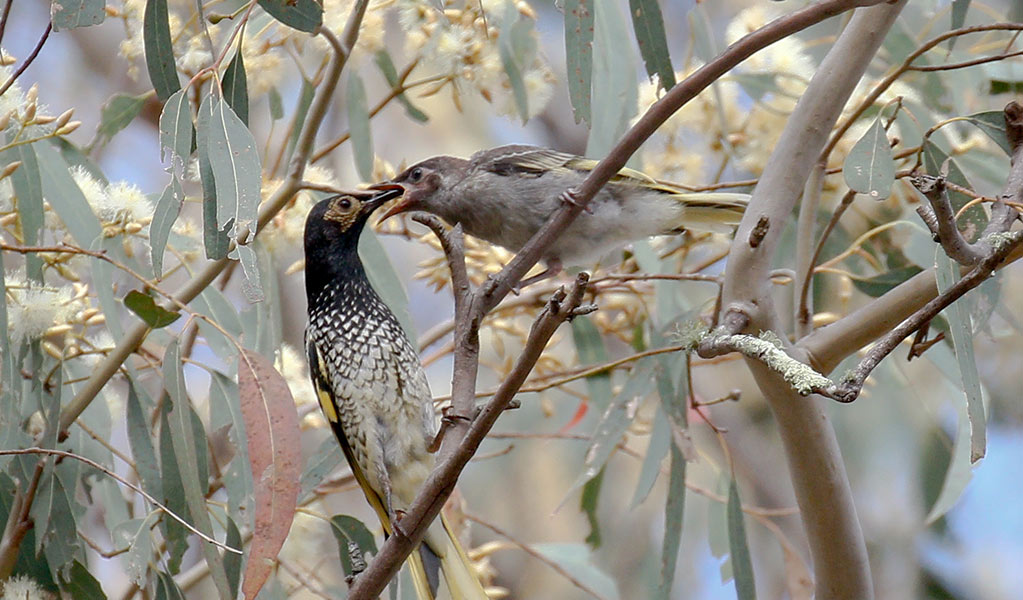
x=8, y=368
x=252, y=287
x=174, y=533
x=176, y=131
x=140, y=439
x=186, y=452
x=148, y=310
x=880, y=284
x=303, y=15
x=349, y=530
x=65, y=197
x=54, y=518
x=69, y=14
x=159, y=49
x=225, y=411
x=962, y=340
x=959, y=471
x=656, y=450
x=232, y=561
x=579, y=55
x=870, y=167
x=276, y=104
x=653, y=44
x=236, y=87
x=326, y=458
x=589, y=346
x=81, y=585
x=742, y=564
x=1015, y=12
x=674, y=511
x=383, y=60
x=704, y=45
x=358, y=126
x=167, y=209
x=215, y=239
x=118, y=112
x=588, y=501
x=614, y=91
x=167, y=588
x=136, y=537
x=577, y=560
x=234, y=158
x=28, y=186
x=616, y=420
x=959, y=10
x=508, y=60
x=993, y=124
x=385, y=280
x=305, y=99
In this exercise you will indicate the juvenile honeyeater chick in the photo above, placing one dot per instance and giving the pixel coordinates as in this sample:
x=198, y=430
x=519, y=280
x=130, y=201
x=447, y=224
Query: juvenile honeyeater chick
x=505, y=194
x=372, y=388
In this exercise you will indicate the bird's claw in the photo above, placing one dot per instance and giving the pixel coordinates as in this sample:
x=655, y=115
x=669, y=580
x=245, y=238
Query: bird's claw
x=569, y=197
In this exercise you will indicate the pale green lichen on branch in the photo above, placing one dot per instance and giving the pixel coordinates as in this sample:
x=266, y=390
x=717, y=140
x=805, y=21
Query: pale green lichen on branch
x=1000, y=239
x=767, y=348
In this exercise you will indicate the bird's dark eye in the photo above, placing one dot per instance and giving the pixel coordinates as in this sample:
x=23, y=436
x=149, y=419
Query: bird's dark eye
x=345, y=203
x=415, y=175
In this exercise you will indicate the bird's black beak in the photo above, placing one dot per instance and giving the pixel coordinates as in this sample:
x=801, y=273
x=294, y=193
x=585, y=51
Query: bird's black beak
x=398, y=189
x=380, y=196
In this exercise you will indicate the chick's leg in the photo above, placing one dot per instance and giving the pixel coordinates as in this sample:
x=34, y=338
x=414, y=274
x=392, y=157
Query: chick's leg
x=554, y=267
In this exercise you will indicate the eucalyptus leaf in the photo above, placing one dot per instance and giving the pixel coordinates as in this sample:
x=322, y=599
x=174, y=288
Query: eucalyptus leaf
x=118, y=112
x=386, y=65
x=579, y=55
x=167, y=209
x=870, y=166
x=159, y=49
x=358, y=125
x=674, y=511
x=742, y=564
x=303, y=15
x=69, y=14
x=236, y=87
x=653, y=43
x=148, y=310
x=349, y=530
x=962, y=340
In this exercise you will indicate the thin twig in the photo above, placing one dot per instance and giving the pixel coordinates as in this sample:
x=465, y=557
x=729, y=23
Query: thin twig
x=28, y=61
x=537, y=555
x=122, y=481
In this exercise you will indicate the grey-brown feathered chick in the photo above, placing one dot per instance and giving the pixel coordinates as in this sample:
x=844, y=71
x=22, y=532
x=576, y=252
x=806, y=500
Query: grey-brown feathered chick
x=372, y=388
x=505, y=194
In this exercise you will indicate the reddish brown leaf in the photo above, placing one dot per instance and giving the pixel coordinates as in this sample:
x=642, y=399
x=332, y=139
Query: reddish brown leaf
x=275, y=457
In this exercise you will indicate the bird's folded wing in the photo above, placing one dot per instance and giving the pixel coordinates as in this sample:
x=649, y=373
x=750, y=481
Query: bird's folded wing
x=325, y=395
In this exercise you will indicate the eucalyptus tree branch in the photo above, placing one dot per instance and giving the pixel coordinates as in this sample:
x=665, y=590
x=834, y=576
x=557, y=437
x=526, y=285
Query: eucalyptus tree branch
x=818, y=473
x=940, y=218
x=303, y=148
x=431, y=497
x=31, y=57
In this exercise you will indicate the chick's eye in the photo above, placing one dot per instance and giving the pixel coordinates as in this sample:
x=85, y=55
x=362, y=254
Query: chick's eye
x=415, y=175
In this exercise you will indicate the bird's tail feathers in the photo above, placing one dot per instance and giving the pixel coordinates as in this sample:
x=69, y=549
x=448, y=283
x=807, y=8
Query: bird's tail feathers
x=426, y=588
x=718, y=212
x=463, y=584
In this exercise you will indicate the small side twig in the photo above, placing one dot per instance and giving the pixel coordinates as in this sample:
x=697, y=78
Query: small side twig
x=940, y=218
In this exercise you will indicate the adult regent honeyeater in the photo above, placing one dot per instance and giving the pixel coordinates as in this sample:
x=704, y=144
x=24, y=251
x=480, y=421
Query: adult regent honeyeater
x=372, y=388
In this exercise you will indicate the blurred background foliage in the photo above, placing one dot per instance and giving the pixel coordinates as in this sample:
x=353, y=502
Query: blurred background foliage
x=579, y=492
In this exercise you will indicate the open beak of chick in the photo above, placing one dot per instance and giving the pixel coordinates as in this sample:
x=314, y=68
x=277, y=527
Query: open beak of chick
x=406, y=203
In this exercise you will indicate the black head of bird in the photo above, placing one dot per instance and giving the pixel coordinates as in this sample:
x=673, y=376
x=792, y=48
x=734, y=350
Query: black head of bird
x=332, y=232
